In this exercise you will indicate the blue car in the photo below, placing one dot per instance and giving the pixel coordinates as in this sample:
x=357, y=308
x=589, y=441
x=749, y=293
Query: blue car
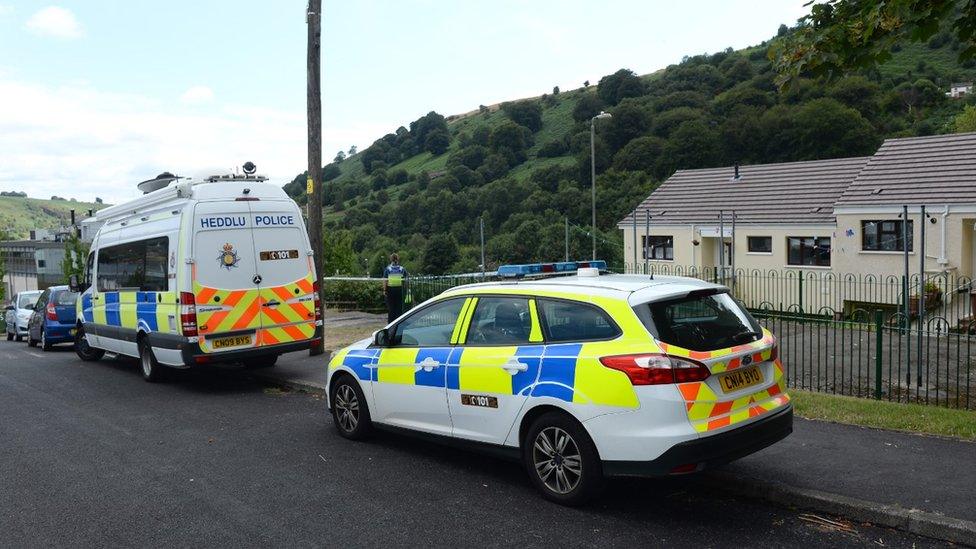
x=53, y=320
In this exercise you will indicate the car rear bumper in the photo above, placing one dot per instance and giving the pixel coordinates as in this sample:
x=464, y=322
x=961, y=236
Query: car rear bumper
x=711, y=451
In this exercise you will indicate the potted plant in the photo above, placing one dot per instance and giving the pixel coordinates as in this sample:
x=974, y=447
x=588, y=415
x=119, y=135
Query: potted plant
x=933, y=294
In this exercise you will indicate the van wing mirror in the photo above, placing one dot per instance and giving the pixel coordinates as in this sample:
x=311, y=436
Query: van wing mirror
x=381, y=338
x=76, y=285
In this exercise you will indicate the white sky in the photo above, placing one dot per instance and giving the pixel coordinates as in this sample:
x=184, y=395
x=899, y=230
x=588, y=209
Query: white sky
x=96, y=95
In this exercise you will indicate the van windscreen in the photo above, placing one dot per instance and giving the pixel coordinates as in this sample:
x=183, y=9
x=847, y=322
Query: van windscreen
x=701, y=321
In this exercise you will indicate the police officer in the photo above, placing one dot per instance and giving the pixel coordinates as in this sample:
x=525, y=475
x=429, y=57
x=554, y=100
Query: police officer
x=394, y=286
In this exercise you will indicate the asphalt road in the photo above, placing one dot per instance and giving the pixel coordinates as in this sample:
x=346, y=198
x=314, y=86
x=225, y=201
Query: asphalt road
x=91, y=455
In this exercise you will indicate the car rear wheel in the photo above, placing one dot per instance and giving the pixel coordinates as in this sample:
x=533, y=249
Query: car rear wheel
x=349, y=411
x=31, y=342
x=562, y=460
x=19, y=338
x=152, y=371
x=85, y=351
x=10, y=336
x=45, y=344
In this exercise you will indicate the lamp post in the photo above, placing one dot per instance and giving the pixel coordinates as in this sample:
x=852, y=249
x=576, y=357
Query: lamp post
x=593, y=173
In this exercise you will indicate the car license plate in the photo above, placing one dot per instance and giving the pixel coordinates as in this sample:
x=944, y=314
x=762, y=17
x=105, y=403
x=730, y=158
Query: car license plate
x=235, y=341
x=740, y=379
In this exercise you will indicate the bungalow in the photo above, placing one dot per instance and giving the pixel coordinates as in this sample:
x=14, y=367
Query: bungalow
x=842, y=216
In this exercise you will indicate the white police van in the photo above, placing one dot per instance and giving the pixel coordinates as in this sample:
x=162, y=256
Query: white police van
x=200, y=272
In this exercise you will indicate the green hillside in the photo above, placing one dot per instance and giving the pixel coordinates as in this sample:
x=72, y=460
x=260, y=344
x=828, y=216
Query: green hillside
x=524, y=166
x=18, y=215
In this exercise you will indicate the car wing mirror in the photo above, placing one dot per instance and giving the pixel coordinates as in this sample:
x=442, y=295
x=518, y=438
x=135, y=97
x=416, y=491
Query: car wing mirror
x=381, y=338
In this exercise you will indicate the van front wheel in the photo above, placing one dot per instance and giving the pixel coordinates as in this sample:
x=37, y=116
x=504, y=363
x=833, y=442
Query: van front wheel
x=85, y=351
x=152, y=371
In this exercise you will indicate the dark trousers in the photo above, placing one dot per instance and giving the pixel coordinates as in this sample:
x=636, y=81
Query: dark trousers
x=394, y=302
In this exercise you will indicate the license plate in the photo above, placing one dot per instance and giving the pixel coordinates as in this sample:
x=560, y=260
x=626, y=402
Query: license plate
x=740, y=379
x=235, y=341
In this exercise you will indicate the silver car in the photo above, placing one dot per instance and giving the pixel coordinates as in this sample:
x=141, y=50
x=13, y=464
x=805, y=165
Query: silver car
x=18, y=314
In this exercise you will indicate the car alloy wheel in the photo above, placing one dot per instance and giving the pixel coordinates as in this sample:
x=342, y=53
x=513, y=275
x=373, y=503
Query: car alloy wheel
x=347, y=408
x=557, y=460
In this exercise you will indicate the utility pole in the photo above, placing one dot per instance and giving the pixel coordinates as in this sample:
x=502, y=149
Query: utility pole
x=566, y=238
x=482, y=224
x=313, y=19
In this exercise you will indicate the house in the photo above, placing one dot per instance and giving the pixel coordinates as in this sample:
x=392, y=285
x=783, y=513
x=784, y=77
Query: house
x=31, y=264
x=839, y=217
x=960, y=90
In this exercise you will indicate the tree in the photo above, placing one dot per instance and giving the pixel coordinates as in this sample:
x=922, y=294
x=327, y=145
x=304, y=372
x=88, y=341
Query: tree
x=618, y=86
x=339, y=157
x=588, y=106
x=437, y=142
x=965, y=121
x=555, y=90
x=75, y=257
x=586, y=84
x=338, y=256
x=843, y=35
x=639, y=154
x=511, y=137
x=629, y=120
x=525, y=113
x=353, y=150
x=440, y=253
x=98, y=200
x=694, y=144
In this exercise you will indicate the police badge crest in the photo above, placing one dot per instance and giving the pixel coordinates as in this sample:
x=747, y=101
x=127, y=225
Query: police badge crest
x=228, y=258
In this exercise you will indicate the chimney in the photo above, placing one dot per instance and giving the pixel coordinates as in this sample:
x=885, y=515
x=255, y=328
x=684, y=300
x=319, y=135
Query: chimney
x=72, y=217
x=736, y=176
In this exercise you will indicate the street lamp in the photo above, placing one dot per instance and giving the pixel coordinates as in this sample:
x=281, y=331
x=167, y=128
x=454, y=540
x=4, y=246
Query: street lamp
x=593, y=172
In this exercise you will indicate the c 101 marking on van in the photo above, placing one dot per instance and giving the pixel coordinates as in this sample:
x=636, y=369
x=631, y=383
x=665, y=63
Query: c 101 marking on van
x=275, y=255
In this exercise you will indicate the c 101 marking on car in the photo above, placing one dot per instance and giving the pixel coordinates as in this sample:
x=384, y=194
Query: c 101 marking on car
x=479, y=400
x=274, y=255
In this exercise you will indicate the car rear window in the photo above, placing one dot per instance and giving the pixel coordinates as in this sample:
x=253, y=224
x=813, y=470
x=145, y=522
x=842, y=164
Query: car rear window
x=575, y=321
x=65, y=299
x=27, y=301
x=701, y=321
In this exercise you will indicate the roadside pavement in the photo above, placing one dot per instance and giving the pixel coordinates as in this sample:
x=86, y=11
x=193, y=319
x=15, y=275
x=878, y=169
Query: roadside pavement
x=922, y=484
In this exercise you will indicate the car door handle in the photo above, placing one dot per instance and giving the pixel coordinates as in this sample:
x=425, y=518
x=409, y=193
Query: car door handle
x=513, y=366
x=428, y=364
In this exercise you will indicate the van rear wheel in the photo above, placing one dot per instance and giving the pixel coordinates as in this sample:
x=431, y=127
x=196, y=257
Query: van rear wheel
x=152, y=370
x=85, y=351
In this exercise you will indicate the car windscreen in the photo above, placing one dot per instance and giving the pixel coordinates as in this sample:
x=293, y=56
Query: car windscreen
x=65, y=299
x=27, y=301
x=701, y=321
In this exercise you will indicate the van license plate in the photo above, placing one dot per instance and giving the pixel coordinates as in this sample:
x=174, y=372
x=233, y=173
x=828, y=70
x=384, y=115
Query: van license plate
x=740, y=379
x=235, y=341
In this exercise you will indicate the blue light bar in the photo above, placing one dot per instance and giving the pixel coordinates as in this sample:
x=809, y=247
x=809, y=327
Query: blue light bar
x=563, y=267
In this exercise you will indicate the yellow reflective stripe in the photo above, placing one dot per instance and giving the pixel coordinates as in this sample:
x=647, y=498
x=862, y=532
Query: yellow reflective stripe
x=397, y=366
x=467, y=321
x=593, y=383
x=394, y=280
x=535, y=333
x=480, y=370
x=338, y=358
x=460, y=322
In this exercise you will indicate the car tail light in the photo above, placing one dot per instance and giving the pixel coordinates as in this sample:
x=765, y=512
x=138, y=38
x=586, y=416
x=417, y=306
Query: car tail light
x=318, y=301
x=657, y=369
x=52, y=314
x=188, y=314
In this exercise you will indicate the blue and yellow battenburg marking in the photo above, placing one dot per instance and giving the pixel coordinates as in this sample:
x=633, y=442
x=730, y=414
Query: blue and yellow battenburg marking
x=148, y=310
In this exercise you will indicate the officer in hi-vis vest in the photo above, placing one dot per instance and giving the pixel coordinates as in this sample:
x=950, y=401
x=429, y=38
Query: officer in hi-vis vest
x=394, y=286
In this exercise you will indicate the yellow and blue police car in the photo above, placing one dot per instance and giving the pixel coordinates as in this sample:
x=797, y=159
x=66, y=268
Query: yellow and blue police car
x=582, y=376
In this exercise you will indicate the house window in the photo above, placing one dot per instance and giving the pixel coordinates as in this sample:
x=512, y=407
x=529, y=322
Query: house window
x=884, y=235
x=808, y=250
x=658, y=247
x=41, y=263
x=761, y=244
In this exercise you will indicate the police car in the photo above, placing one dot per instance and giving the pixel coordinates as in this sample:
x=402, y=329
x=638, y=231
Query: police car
x=580, y=376
x=199, y=272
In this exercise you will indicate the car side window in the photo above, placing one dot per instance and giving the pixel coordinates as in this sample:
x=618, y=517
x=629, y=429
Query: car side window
x=432, y=326
x=42, y=301
x=575, y=321
x=500, y=321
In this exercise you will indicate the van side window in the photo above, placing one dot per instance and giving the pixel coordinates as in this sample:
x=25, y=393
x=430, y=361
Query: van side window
x=575, y=321
x=134, y=266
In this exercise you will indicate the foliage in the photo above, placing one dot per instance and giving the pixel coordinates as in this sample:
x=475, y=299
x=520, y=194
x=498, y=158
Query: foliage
x=363, y=296
x=616, y=87
x=842, y=35
x=338, y=257
x=75, y=256
x=966, y=120
x=440, y=254
x=525, y=113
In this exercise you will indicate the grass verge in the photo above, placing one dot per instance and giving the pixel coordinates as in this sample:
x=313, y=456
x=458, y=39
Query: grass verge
x=916, y=418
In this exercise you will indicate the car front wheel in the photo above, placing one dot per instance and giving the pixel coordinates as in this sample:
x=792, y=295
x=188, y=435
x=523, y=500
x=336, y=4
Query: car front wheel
x=562, y=460
x=349, y=411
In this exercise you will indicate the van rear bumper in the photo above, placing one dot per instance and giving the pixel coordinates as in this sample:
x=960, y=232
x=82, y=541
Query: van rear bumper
x=193, y=355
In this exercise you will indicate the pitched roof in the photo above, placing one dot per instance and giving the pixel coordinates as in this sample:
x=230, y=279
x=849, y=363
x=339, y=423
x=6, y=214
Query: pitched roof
x=790, y=192
x=938, y=169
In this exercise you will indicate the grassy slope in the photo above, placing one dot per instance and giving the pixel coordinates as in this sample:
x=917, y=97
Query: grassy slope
x=19, y=215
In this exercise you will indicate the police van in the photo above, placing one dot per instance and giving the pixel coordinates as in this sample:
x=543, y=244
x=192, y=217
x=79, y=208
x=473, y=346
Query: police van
x=196, y=273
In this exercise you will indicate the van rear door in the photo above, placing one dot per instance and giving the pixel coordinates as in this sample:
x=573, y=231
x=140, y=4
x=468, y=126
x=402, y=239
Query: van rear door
x=226, y=288
x=284, y=264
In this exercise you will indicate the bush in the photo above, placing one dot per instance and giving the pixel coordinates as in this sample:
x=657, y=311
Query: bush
x=364, y=296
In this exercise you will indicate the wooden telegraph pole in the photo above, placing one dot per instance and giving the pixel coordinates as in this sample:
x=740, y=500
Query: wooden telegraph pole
x=313, y=19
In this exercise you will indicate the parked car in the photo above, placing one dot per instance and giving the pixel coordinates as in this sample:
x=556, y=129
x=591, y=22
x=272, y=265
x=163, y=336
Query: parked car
x=54, y=318
x=18, y=314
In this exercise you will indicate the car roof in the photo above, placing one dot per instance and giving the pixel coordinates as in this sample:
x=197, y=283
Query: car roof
x=644, y=287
